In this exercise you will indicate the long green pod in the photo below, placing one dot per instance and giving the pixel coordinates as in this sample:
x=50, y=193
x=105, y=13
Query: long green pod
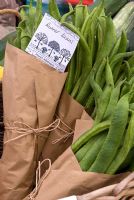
x=114, y=137
x=119, y=56
x=90, y=103
x=92, y=153
x=122, y=49
x=99, y=74
x=71, y=74
x=82, y=39
x=53, y=10
x=84, y=91
x=95, y=130
x=79, y=16
x=76, y=89
x=122, y=154
x=66, y=15
x=39, y=14
x=104, y=99
x=91, y=40
x=107, y=44
x=83, y=150
x=115, y=94
x=115, y=49
x=93, y=16
x=95, y=87
x=109, y=74
x=103, y=103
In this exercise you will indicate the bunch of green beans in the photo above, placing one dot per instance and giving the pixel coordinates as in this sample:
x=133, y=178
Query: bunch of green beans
x=30, y=20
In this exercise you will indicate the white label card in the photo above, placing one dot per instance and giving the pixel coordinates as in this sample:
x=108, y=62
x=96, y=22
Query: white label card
x=69, y=198
x=53, y=43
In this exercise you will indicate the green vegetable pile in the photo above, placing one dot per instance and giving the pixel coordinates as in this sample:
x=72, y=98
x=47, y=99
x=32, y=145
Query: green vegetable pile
x=101, y=78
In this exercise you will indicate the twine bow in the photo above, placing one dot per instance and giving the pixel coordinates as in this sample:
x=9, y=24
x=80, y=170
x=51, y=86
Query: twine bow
x=67, y=133
x=29, y=130
x=40, y=180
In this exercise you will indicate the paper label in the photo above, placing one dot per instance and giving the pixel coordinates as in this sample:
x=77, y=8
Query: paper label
x=53, y=43
x=69, y=198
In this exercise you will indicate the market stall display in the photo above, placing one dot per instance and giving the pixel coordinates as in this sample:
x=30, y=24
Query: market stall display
x=75, y=125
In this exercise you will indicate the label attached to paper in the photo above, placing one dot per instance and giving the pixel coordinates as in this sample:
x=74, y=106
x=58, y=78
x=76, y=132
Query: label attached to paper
x=53, y=43
x=69, y=198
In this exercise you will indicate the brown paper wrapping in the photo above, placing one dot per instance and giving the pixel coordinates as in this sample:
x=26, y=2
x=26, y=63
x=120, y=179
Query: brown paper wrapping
x=68, y=111
x=66, y=178
x=31, y=91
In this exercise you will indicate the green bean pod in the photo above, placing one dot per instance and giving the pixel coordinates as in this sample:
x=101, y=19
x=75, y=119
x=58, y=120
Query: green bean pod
x=103, y=103
x=83, y=139
x=115, y=94
x=119, y=56
x=122, y=49
x=66, y=15
x=124, y=151
x=92, y=153
x=114, y=137
x=99, y=74
x=107, y=44
x=71, y=74
x=83, y=150
x=53, y=10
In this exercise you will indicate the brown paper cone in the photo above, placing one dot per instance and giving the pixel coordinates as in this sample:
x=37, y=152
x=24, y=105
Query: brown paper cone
x=66, y=179
x=31, y=91
x=68, y=111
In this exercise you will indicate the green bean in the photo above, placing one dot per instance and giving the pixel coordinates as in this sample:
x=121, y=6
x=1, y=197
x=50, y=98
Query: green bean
x=93, y=16
x=53, y=10
x=70, y=7
x=131, y=61
x=107, y=44
x=83, y=150
x=95, y=87
x=91, y=40
x=103, y=103
x=79, y=17
x=71, y=74
x=83, y=139
x=100, y=37
x=99, y=74
x=90, y=103
x=122, y=49
x=115, y=94
x=86, y=22
x=85, y=12
x=82, y=40
x=78, y=63
x=17, y=41
x=109, y=75
x=84, y=91
x=114, y=137
x=114, y=51
x=119, y=56
x=39, y=15
x=92, y=153
x=105, y=97
x=127, y=70
x=122, y=155
x=66, y=15
x=76, y=89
